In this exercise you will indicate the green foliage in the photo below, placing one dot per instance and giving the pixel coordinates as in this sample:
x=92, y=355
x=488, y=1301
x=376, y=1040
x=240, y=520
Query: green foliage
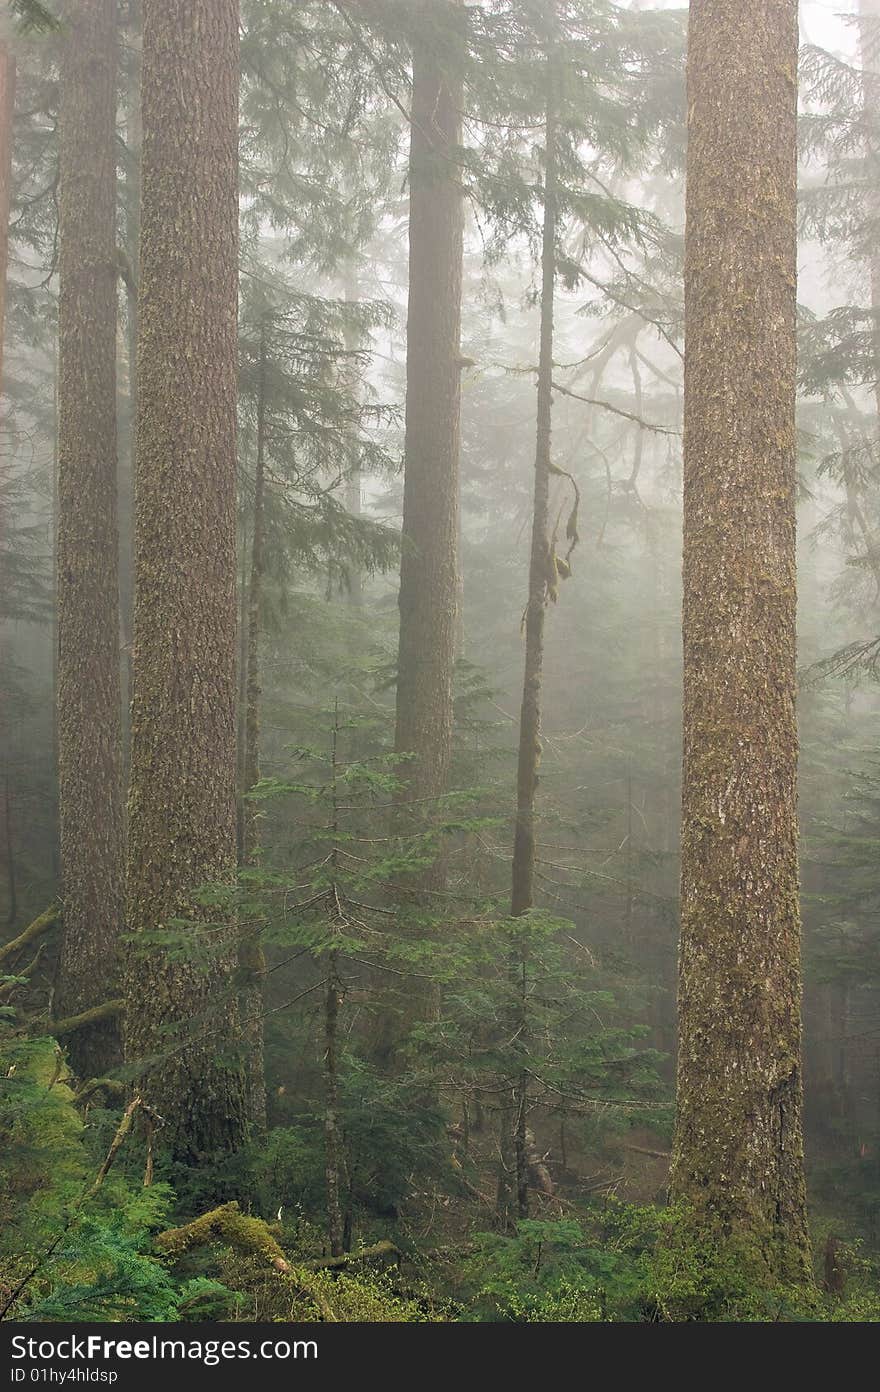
x=70, y=1255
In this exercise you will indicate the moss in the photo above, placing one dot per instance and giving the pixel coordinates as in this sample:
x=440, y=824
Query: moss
x=226, y=1224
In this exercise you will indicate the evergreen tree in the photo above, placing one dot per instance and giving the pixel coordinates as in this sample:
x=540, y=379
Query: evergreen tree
x=89, y=763
x=429, y=554
x=738, y=1147
x=181, y=1011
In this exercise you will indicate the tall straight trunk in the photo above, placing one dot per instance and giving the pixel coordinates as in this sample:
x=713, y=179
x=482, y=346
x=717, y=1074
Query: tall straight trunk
x=514, y=1116
x=252, y=960
x=738, y=1152
x=353, y=498
x=333, y=1153
x=429, y=562
x=126, y=470
x=88, y=690
x=869, y=49
x=181, y=1007
x=7, y=111
x=523, y=888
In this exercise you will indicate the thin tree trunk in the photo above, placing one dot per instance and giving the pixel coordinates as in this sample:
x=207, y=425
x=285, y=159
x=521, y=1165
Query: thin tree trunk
x=353, y=499
x=738, y=1154
x=540, y=560
x=12, y=909
x=251, y=958
x=869, y=50
x=182, y=1010
x=332, y=1137
x=7, y=112
x=89, y=701
x=523, y=889
x=429, y=562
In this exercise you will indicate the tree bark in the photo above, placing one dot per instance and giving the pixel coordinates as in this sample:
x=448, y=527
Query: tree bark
x=182, y=1011
x=738, y=1154
x=7, y=112
x=88, y=692
x=429, y=561
x=251, y=957
x=540, y=561
x=869, y=51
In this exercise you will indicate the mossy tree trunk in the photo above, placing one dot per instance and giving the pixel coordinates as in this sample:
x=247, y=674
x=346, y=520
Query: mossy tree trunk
x=88, y=690
x=182, y=1010
x=738, y=1154
x=429, y=562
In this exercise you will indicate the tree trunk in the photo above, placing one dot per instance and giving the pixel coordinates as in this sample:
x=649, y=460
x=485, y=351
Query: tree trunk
x=251, y=958
x=126, y=470
x=182, y=1011
x=353, y=497
x=89, y=702
x=429, y=562
x=738, y=1153
x=869, y=50
x=7, y=112
x=513, y=1180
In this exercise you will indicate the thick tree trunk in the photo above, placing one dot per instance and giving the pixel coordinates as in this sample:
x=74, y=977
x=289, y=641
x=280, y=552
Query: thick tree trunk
x=182, y=1010
x=126, y=470
x=738, y=1147
x=89, y=711
x=429, y=563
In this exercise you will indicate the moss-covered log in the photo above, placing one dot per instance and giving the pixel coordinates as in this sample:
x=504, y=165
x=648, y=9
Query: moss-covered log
x=226, y=1224
x=87, y=1019
x=40, y=925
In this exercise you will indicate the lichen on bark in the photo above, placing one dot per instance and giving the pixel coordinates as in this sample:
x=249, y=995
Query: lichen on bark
x=182, y=1026
x=738, y=1154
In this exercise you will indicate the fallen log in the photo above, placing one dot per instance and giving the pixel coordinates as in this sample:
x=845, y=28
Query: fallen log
x=225, y=1224
x=378, y=1249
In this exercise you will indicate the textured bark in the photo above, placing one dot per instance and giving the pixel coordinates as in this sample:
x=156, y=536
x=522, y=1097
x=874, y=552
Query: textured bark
x=429, y=563
x=182, y=1012
x=126, y=472
x=88, y=690
x=738, y=1152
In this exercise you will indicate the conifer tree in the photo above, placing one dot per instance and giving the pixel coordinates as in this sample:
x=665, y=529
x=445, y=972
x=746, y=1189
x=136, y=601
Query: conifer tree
x=181, y=1012
x=429, y=559
x=89, y=771
x=738, y=1154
